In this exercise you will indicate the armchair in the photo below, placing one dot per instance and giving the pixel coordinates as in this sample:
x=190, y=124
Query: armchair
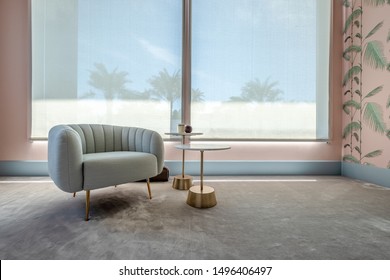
x=84, y=157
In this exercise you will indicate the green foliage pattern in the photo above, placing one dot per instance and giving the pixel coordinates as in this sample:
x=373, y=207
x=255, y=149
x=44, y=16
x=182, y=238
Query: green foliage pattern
x=362, y=50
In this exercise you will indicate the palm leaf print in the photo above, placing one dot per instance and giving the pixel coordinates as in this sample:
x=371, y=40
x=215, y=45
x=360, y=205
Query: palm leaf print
x=374, y=55
x=373, y=117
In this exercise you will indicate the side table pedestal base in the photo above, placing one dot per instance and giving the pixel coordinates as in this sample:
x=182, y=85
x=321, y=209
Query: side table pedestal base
x=201, y=199
x=182, y=183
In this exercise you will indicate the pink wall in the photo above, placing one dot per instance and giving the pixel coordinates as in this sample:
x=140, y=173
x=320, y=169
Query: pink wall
x=14, y=84
x=373, y=137
x=14, y=101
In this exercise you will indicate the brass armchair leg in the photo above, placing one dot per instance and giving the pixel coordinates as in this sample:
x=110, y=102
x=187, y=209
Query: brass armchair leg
x=150, y=193
x=87, y=195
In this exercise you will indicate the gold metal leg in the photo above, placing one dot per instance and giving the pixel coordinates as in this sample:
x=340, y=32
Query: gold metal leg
x=150, y=193
x=182, y=182
x=201, y=171
x=182, y=164
x=201, y=196
x=87, y=195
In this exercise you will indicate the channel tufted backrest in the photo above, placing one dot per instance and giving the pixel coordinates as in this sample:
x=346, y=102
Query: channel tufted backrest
x=68, y=144
x=97, y=138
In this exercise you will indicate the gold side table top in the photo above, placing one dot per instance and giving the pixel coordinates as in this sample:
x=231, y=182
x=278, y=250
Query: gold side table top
x=202, y=196
x=182, y=181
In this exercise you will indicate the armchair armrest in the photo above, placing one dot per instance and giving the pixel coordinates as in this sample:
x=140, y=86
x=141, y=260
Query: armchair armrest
x=147, y=141
x=65, y=158
x=157, y=148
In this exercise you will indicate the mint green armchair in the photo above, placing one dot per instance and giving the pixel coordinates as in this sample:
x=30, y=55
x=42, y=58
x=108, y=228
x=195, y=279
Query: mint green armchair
x=84, y=157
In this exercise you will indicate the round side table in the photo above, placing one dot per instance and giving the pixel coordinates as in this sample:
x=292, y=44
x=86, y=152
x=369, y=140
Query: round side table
x=202, y=196
x=182, y=181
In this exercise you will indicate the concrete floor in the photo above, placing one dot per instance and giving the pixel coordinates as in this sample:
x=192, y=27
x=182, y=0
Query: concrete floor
x=301, y=217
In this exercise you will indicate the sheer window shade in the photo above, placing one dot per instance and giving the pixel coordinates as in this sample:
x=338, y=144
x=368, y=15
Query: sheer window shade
x=98, y=61
x=259, y=68
x=263, y=68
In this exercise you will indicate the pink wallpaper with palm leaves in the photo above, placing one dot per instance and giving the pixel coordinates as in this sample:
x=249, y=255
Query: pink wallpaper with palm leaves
x=366, y=82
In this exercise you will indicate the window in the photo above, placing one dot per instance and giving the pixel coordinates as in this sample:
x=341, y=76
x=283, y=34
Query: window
x=257, y=63
x=259, y=68
x=99, y=61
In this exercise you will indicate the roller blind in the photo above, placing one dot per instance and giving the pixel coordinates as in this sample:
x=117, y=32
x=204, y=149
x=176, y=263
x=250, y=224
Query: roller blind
x=113, y=62
x=259, y=68
x=263, y=68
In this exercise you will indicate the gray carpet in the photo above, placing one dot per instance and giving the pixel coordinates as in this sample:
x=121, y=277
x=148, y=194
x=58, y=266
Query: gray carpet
x=255, y=218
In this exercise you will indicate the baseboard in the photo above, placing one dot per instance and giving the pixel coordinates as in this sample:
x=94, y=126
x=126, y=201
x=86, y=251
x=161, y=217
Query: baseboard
x=24, y=168
x=234, y=167
x=375, y=175
x=371, y=174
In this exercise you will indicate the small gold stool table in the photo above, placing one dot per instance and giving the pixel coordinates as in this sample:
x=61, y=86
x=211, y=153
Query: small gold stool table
x=202, y=196
x=182, y=181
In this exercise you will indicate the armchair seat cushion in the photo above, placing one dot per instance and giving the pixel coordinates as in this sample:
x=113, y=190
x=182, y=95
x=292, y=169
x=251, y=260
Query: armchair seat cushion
x=114, y=168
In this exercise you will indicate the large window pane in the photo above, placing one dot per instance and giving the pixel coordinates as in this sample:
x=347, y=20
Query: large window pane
x=259, y=68
x=98, y=61
x=262, y=67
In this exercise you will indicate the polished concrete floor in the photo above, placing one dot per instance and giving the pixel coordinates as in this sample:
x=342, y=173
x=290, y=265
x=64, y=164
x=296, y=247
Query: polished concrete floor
x=333, y=218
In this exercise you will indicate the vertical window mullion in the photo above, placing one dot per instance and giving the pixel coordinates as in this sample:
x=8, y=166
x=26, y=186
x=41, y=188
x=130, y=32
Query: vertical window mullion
x=186, y=63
